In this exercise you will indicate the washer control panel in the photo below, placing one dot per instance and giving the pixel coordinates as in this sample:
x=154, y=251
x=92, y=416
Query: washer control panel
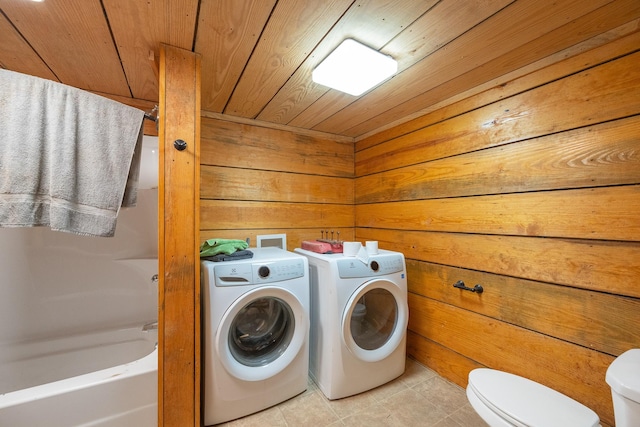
x=238, y=274
x=378, y=266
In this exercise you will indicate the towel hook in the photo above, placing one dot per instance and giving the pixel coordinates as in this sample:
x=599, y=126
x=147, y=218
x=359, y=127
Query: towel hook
x=460, y=285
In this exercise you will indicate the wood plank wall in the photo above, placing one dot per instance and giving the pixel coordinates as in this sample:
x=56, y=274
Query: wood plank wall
x=531, y=189
x=179, y=269
x=257, y=180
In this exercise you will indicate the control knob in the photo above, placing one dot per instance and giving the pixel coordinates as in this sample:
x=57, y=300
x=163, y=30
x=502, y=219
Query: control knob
x=264, y=271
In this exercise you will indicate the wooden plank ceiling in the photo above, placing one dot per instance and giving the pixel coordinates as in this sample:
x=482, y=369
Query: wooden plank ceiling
x=257, y=55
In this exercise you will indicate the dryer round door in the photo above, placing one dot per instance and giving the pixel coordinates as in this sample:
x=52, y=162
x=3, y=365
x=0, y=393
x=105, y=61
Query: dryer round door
x=261, y=333
x=375, y=320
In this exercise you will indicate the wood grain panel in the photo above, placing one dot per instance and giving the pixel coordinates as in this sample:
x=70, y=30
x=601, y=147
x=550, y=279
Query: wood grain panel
x=171, y=21
x=449, y=364
x=575, y=371
x=594, y=320
x=61, y=32
x=594, y=213
x=277, y=126
x=597, y=50
x=295, y=236
x=239, y=145
x=178, y=213
x=374, y=23
x=503, y=32
x=18, y=56
x=227, y=33
x=442, y=24
x=602, y=155
x=274, y=181
x=591, y=24
x=589, y=264
x=251, y=184
x=225, y=214
x=434, y=29
x=606, y=92
x=269, y=47
x=278, y=53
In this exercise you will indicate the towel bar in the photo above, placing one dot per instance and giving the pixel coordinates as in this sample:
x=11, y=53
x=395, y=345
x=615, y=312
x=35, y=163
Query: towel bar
x=460, y=285
x=153, y=115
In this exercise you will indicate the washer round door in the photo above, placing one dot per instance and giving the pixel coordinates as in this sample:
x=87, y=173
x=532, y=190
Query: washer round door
x=375, y=320
x=261, y=333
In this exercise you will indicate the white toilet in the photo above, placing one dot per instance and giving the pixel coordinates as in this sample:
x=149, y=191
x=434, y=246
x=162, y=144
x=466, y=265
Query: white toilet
x=506, y=400
x=623, y=376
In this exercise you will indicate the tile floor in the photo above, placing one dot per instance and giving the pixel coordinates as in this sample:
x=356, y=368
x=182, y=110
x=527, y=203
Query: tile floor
x=420, y=397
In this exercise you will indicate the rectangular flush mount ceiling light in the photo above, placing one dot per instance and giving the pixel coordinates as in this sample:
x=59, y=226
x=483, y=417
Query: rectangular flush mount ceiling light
x=354, y=68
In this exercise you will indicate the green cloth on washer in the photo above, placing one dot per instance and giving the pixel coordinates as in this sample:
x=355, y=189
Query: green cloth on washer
x=222, y=246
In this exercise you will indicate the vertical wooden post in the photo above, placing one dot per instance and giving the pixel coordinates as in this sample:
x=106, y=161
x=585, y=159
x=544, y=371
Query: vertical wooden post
x=179, y=223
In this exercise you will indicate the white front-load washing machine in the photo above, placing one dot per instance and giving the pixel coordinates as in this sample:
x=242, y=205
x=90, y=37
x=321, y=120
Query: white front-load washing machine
x=255, y=332
x=359, y=316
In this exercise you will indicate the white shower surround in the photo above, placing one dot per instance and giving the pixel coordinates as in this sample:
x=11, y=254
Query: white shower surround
x=56, y=286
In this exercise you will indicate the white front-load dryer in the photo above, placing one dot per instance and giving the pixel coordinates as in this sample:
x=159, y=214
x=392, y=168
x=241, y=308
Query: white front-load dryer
x=255, y=332
x=359, y=316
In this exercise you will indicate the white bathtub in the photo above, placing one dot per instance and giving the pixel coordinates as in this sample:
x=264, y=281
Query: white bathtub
x=106, y=379
x=72, y=349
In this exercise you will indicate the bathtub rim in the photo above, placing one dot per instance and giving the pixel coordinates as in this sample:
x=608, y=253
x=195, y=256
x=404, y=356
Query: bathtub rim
x=141, y=366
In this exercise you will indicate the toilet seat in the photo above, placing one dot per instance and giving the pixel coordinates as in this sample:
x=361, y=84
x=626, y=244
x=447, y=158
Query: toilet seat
x=525, y=403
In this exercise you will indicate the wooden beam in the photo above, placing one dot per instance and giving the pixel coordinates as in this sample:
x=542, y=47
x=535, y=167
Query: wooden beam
x=179, y=217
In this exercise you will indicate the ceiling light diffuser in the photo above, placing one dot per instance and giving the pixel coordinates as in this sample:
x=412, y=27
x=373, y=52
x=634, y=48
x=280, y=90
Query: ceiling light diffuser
x=354, y=68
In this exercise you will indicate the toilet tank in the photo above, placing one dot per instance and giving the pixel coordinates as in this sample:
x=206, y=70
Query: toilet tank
x=623, y=376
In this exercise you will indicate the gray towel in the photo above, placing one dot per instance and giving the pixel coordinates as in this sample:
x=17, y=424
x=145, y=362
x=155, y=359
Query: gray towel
x=66, y=156
x=237, y=255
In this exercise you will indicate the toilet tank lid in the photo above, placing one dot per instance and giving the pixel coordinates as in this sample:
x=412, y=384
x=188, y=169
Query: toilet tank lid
x=623, y=375
x=525, y=402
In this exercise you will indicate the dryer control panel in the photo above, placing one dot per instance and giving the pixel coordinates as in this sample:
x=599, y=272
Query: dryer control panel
x=378, y=266
x=238, y=274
